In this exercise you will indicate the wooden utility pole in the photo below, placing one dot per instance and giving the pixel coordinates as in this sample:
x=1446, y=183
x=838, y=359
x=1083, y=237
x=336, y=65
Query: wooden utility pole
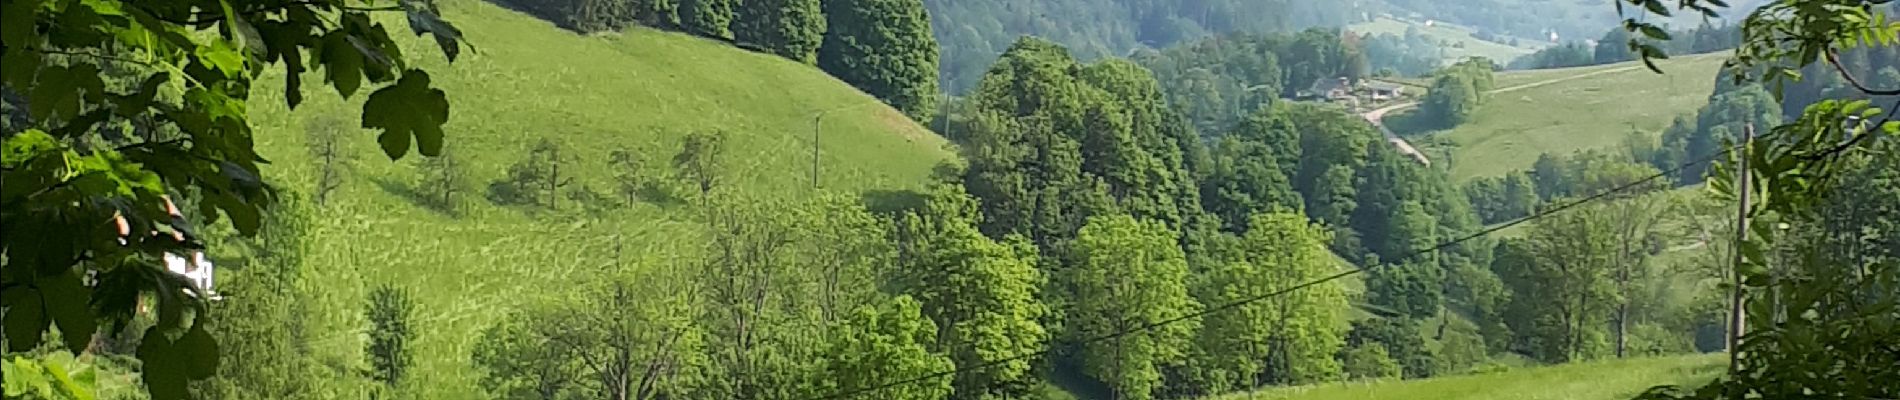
x=815, y=121
x=1735, y=318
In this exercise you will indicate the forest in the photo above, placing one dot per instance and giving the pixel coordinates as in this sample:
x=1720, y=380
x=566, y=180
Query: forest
x=1139, y=200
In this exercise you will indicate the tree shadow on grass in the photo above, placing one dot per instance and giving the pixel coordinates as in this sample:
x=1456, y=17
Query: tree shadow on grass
x=409, y=192
x=892, y=202
x=1412, y=123
x=660, y=195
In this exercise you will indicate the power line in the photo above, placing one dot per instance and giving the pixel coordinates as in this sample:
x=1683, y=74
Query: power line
x=1222, y=307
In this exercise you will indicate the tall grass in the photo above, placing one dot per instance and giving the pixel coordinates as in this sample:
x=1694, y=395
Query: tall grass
x=1603, y=380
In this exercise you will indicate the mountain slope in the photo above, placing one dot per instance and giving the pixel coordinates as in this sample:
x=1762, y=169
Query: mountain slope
x=641, y=90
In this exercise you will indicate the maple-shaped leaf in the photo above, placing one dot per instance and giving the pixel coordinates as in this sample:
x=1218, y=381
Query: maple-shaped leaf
x=410, y=108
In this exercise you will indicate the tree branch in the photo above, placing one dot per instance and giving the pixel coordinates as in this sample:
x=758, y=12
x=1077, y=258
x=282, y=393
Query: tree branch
x=97, y=56
x=1834, y=58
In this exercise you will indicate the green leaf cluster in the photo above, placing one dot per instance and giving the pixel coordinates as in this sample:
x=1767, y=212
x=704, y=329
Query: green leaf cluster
x=195, y=63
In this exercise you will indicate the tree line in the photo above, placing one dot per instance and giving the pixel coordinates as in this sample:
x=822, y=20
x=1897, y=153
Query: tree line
x=1613, y=47
x=975, y=32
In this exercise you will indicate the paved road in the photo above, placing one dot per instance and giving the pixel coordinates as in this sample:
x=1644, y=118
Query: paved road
x=1377, y=116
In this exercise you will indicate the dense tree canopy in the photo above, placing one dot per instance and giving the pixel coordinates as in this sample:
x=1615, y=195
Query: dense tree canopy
x=1284, y=339
x=1217, y=81
x=789, y=28
x=1059, y=142
x=1130, y=273
x=974, y=33
x=981, y=293
x=1458, y=92
x=884, y=47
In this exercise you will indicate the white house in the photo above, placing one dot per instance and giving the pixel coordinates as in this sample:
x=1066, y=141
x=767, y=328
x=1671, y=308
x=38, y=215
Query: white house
x=195, y=269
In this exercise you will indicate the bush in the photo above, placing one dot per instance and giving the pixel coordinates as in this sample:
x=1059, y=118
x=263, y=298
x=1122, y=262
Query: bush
x=1369, y=361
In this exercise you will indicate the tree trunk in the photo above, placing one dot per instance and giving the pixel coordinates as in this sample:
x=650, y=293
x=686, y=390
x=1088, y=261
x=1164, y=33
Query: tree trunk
x=554, y=180
x=1622, y=329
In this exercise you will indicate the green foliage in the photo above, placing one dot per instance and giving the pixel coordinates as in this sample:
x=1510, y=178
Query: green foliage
x=1561, y=286
x=606, y=15
x=1220, y=81
x=701, y=161
x=885, y=48
x=882, y=343
x=792, y=29
x=619, y=340
x=1129, y=274
x=851, y=250
x=1604, y=380
x=390, y=313
x=1394, y=222
x=61, y=375
x=1408, y=54
x=629, y=172
x=518, y=366
x=1720, y=122
x=442, y=182
x=1458, y=92
x=1615, y=47
x=480, y=265
x=752, y=297
x=708, y=18
x=1057, y=142
x=325, y=138
x=1400, y=337
x=1243, y=177
x=981, y=293
x=1504, y=198
x=1286, y=339
x=976, y=31
x=536, y=180
x=1369, y=361
x=263, y=325
x=193, y=85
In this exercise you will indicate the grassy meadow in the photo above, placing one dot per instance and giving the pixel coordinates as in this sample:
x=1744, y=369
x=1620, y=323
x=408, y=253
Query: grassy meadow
x=1566, y=110
x=1601, y=380
x=640, y=90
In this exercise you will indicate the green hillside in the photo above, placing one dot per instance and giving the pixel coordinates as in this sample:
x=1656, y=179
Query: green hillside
x=641, y=90
x=1605, y=380
x=1565, y=110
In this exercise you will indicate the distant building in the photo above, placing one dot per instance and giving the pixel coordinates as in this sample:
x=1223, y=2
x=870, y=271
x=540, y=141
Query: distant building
x=1329, y=89
x=1381, y=90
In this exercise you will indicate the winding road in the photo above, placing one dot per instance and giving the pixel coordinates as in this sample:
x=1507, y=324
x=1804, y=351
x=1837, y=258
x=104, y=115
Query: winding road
x=1377, y=115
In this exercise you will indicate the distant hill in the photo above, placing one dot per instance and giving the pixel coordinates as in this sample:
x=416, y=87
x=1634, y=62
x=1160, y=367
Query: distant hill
x=1566, y=110
x=641, y=90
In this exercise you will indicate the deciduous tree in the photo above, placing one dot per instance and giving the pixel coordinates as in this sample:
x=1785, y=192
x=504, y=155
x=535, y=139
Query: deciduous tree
x=789, y=28
x=885, y=48
x=1288, y=338
x=982, y=294
x=1130, y=273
